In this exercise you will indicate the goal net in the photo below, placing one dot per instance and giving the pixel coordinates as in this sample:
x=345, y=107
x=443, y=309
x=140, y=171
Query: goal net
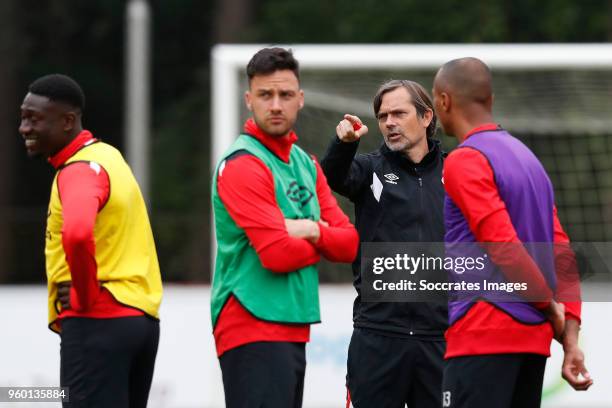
x=557, y=98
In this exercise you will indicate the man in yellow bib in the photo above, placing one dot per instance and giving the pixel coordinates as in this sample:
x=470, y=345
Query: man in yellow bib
x=103, y=277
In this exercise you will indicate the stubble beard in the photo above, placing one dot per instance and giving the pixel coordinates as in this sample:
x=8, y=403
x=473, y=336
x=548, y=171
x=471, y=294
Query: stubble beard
x=399, y=146
x=274, y=130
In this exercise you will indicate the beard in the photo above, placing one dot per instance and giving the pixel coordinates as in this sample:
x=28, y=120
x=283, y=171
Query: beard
x=398, y=145
x=276, y=130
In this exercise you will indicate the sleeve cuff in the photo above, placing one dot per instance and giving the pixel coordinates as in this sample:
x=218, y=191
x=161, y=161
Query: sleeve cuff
x=347, y=145
x=321, y=241
x=572, y=316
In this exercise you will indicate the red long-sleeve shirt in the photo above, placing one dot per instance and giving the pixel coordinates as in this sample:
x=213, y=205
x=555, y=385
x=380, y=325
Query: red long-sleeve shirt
x=84, y=188
x=246, y=188
x=469, y=181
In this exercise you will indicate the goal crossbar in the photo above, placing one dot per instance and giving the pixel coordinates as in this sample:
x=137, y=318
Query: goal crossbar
x=228, y=61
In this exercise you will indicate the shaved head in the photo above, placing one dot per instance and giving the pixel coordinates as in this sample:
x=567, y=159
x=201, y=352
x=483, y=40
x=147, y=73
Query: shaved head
x=463, y=96
x=468, y=79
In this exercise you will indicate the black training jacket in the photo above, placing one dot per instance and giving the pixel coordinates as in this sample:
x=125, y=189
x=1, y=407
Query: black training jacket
x=410, y=209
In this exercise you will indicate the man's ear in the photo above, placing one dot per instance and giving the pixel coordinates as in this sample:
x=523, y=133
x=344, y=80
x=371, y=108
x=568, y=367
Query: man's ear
x=70, y=119
x=446, y=101
x=247, y=100
x=427, y=117
x=301, y=99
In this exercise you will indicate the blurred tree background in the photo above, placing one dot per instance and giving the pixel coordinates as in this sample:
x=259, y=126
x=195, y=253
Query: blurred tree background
x=85, y=39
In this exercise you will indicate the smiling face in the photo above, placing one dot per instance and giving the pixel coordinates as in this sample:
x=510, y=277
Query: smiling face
x=275, y=100
x=399, y=122
x=46, y=126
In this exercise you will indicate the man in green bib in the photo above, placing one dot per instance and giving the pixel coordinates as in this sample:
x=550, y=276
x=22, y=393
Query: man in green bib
x=275, y=217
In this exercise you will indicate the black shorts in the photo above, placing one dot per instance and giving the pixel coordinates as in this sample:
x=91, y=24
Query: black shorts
x=264, y=375
x=494, y=380
x=108, y=362
x=389, y=372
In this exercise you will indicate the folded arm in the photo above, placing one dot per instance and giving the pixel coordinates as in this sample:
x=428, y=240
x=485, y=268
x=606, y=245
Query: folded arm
x=246, y=188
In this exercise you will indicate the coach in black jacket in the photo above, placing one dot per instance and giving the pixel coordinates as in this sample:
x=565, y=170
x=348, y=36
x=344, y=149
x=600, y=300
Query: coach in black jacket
x=396, y=351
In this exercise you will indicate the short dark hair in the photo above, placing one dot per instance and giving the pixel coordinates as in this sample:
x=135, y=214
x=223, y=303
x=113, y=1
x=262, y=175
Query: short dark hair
x=420, y=100
x=268, y=60
x=59, y=88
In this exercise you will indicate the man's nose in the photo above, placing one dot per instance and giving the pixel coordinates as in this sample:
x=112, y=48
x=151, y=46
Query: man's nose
x=389, y=122
x=276, y=105
x=24, y=128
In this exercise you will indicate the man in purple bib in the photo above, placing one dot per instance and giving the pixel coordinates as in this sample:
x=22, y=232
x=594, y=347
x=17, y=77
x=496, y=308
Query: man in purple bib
x=498, y=193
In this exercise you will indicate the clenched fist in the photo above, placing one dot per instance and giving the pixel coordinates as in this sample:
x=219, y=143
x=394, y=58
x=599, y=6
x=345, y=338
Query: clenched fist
x=350, y=129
